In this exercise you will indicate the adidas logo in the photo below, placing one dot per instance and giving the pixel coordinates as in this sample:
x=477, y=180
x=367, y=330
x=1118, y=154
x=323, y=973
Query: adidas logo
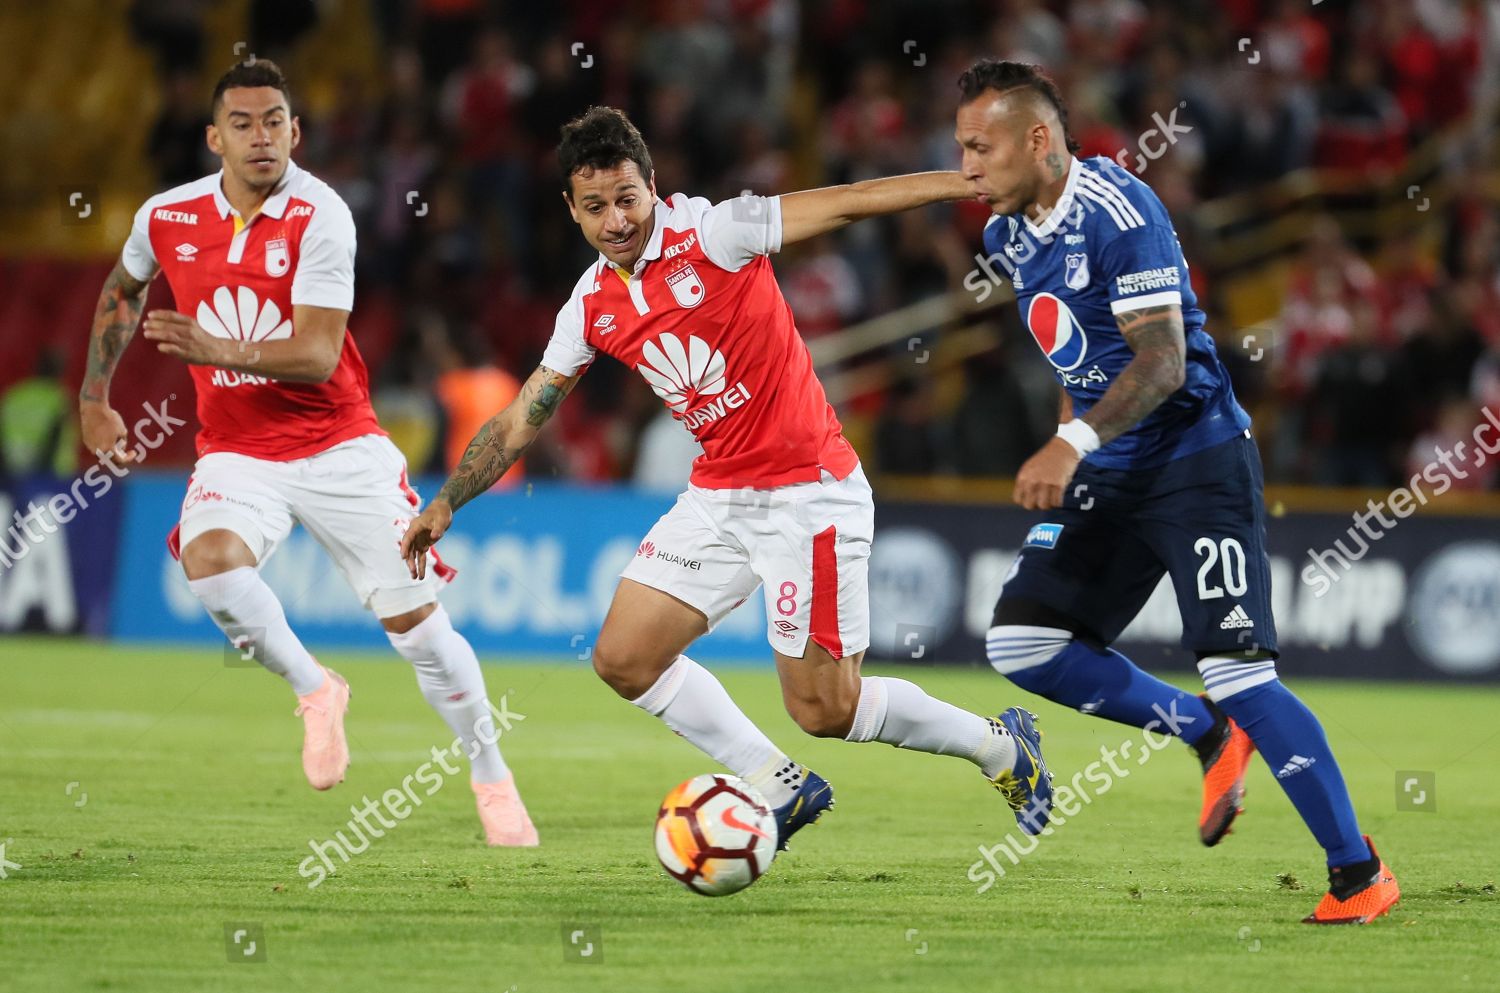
x=1237, y=618
x=675, y=370
x=240, y=316
x=1294, y=765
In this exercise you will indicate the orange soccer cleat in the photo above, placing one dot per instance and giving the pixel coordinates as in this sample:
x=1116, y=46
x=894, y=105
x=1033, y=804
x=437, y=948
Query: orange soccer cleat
x=325, y=750
x=1224, y=765
x=1357, y=900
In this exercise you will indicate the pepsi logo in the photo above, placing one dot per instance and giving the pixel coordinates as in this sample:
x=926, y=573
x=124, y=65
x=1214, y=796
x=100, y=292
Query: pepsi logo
x=1057, y=331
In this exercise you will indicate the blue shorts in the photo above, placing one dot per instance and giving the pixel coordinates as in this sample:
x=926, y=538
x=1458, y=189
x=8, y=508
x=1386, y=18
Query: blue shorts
x=1200, y=519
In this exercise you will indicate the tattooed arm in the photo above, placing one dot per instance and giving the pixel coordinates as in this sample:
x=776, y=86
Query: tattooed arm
x=497, y=447
x=115, y=320
x=1156, y=371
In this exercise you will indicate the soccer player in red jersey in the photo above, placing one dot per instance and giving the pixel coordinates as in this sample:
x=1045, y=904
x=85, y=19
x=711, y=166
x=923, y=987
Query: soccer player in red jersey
x=260, y=259
x=683, y=292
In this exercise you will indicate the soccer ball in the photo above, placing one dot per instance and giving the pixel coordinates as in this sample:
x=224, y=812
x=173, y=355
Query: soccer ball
x=715, y=834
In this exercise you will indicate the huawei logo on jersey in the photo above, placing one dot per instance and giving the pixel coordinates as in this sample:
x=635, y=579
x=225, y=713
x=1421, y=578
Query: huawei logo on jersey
x=241, y=316
x=682, y=375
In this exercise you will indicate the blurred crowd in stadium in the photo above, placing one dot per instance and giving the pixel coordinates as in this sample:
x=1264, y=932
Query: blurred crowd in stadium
x=1373, y=339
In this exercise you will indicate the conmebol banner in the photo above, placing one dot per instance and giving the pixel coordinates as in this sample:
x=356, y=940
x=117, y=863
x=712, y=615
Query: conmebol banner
x=537, y=570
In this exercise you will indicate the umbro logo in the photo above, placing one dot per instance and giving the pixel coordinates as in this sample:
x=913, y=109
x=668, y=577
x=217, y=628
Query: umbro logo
x=1294, y=765
x=185, y=252
x=606, y=324
x=1237, y=618
x=787, y=627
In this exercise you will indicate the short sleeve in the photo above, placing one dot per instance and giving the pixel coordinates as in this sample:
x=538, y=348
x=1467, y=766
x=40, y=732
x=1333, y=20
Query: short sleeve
x=736, y=231
x=139, y=258
x=325, y=264
x=1142, y=264
x=567, y=351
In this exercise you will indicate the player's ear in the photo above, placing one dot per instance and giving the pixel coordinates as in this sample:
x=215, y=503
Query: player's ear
x=1041, y=141
x=651, y=185
x=573, y=210
x=296, y=132
x=214, y=139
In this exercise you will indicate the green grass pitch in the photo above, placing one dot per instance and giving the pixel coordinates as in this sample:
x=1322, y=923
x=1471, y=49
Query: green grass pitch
x=153, y=799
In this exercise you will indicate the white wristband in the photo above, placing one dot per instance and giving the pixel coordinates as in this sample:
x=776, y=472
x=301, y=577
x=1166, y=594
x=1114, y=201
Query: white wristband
x=1078, y=434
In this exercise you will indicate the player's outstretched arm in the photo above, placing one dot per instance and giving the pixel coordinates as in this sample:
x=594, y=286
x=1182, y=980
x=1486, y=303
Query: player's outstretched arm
x=497, y=447
x=310, y=355
x=115, y=320
x=810, y=213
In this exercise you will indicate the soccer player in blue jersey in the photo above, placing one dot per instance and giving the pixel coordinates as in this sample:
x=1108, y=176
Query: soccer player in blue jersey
x=1152, y=471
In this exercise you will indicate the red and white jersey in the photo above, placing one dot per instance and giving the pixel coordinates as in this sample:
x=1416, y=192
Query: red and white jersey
x=240, y=281
x=702, y=320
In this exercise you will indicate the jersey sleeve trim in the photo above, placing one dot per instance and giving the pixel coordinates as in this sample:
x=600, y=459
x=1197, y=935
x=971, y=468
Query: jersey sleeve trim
x=735, y=231
x=325, y=267
x=568, y=351
x=138, y=256
x=1163, y=299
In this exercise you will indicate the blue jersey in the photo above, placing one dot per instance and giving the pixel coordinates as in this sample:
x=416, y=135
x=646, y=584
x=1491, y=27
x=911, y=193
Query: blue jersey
x=1108, y=247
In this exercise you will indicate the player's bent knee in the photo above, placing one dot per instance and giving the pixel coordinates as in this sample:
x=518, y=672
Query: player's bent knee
x=1226, y=675
x=215, y=552
x=404, y=622
x=1023, y=652
x=823, y=719
x=628, y=672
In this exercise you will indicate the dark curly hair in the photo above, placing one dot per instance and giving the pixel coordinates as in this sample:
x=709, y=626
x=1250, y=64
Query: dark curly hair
x=256, y=72
x=600, y=138
x=1002, y=76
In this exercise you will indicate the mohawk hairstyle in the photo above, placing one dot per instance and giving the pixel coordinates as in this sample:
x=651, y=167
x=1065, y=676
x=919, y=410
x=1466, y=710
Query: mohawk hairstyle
x=600, y=138
x=1002, y=76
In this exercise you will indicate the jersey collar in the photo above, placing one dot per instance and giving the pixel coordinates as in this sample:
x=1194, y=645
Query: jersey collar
x=1062, y=208
x=275, y=204
x=652, y=251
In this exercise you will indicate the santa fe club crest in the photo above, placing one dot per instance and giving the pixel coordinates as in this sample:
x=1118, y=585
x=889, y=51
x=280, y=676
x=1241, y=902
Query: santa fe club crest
x=277, y=259
x=687, y=288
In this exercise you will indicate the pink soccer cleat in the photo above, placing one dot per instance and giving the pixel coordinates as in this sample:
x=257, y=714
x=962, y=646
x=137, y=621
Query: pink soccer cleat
x=325, y=751
x=506, y=823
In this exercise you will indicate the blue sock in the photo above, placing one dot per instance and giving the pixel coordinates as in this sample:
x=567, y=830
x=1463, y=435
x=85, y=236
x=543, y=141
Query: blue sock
x=1290, y=738
x=1109, y=685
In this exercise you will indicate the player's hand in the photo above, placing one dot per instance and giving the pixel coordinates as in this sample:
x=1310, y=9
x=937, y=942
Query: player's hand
x=180, y=335
x=424, y=532
x=1044, y=478
x=103, y=431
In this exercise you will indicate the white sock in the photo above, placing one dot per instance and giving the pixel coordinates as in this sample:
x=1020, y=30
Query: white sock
x=899, y=713
x=448, y=673
x=251, y=617
x=693, y=703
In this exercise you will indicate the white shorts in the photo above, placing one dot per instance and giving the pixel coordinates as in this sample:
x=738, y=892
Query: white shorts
x=808, y=543
x=353, y=499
